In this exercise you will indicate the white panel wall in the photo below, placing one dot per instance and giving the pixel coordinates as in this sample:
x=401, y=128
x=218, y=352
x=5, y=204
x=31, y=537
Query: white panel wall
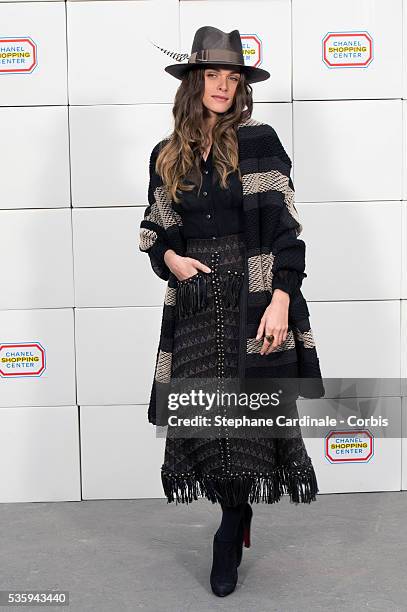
x=39, y=454
x=374, y=474
x=326, y=75
x=404, y=393
x=110, y=151
x=35, y=168
x=348, y=150
x=40, y=272
x=115, y=354
x=41, y=26
x=354, y=327
x=360, y=241
x=126, y=68
x=106, y=256
x=404, y=152
x=117, y=443
x=46, y=376
x=77, y=132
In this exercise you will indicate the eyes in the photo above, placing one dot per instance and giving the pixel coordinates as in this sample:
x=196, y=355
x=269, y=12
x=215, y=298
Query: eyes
x=214, y=74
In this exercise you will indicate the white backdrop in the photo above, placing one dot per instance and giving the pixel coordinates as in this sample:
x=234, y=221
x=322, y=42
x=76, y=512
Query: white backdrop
x=82, y=103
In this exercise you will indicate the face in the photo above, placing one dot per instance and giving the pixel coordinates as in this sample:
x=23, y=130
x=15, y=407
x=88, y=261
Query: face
x=220, y=89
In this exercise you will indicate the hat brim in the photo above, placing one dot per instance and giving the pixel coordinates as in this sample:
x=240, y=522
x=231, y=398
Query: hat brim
x=253, y=75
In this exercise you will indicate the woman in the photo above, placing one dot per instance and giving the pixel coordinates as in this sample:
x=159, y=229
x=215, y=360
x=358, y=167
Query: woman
x=221, y=227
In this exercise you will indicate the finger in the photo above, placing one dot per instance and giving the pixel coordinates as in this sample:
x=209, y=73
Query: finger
x=199, y=265
x=279, y=339
x=269, y=345
x=266, y=348
x=266, y=343
x=260, y=329
x=188, y=275
x=271, y=348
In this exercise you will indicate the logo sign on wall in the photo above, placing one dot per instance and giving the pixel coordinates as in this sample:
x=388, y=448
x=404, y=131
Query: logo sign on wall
x=347, y=49
x=17, y=55
x=252, y=49
x=22, y=359
x=349, y=446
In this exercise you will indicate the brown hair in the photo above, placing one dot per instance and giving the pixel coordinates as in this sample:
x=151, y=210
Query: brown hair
x=180, y=157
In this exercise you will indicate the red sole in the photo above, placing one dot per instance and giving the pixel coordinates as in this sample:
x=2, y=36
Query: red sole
x=246, y=537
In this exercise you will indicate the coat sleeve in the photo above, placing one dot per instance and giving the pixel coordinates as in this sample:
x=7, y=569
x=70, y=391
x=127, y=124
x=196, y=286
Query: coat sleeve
x=288, y=250
x=153, y=239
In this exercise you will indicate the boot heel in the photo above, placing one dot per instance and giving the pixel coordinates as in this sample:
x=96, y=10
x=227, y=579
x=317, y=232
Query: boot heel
x=247, y=519
x=246, y=537
x=243, y=535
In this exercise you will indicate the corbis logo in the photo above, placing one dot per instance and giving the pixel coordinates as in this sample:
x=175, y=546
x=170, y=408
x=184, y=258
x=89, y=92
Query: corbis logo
x=347, y=49
x=349, y=446
x=252, y=49
x=17, y=55
x=23, y=359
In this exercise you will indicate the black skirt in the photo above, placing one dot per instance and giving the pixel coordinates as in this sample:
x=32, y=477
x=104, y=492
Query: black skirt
x=225, y=468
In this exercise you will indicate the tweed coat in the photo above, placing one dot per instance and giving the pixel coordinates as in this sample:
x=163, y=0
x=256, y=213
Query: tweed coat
x=275, y=259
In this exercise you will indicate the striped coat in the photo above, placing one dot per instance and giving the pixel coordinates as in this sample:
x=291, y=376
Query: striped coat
x=275, y=259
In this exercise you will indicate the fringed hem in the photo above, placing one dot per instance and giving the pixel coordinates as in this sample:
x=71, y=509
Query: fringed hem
x=299, y=482
x=192, y=295
x=231, y=288
x=192, y=292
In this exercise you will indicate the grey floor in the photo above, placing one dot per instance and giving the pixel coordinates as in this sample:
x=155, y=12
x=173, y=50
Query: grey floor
x=343, y=552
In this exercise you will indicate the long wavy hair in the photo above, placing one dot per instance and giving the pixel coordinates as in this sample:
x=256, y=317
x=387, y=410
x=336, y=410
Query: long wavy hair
x=180, y=157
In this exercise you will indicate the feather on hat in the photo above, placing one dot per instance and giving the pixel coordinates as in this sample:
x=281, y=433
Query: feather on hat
x=212, y=46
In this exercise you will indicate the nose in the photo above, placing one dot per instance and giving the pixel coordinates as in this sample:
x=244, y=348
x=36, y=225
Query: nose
x=223, y=83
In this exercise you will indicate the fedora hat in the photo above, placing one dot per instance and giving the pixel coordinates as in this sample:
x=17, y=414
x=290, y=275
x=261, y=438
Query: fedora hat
x=211, y=46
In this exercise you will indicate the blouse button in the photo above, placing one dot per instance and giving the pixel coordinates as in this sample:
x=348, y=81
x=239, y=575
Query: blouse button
x=205, y=193
x=206, y=171
x=208, y=216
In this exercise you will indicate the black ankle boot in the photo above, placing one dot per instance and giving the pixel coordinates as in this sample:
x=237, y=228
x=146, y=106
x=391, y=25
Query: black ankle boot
x=224, y=567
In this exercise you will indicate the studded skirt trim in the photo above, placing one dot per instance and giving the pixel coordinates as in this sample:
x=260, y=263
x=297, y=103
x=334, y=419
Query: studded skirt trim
x=209, y=343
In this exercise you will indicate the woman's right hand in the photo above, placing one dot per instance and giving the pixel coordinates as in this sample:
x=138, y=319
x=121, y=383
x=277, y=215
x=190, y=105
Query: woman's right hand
x=183, y=267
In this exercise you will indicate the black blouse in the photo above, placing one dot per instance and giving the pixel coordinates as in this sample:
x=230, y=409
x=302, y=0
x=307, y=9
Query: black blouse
x=210, y=212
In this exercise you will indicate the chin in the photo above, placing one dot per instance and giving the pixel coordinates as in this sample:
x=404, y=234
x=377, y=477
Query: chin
x=218, y=109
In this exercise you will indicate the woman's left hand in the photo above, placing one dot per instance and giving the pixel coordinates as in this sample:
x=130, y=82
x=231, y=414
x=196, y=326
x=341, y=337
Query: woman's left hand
x=274, y=322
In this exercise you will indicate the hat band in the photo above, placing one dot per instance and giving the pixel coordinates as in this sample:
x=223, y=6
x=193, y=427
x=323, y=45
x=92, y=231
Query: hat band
x=216, y=55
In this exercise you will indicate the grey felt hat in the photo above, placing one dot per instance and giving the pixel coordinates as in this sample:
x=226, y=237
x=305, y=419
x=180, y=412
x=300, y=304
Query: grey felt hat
x=212, y=46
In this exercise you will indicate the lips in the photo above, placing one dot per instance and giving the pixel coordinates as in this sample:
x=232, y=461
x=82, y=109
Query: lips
x=220, y=98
